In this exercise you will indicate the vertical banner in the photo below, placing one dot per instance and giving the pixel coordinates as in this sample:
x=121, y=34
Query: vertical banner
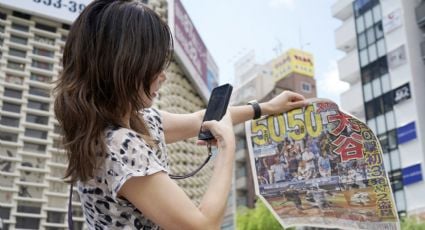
x=317, y=166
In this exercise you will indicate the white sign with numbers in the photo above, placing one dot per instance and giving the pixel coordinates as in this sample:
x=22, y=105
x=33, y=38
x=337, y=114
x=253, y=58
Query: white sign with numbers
x=60, y=10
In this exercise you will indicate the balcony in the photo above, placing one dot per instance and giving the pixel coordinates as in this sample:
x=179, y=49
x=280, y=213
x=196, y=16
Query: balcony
x=241, y=183
x=240, y=155
x=420, y=14
x=342, y=9
x=345, y=36
x=349, y=68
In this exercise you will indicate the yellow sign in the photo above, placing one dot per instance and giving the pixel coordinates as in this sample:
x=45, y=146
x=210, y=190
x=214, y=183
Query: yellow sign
x=293, y=61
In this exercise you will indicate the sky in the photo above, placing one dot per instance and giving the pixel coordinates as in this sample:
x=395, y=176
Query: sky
x=231, y=28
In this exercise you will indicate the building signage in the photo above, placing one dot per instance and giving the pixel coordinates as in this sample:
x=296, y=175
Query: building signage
x=392, y=21
x=61, y=10
x=188, y=38
x=397, y=57
x=406, y=133
x=412, y=174
x=402, y=93
x=293, y=61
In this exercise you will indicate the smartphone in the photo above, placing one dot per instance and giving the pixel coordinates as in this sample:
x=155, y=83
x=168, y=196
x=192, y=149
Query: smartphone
x=216, y=108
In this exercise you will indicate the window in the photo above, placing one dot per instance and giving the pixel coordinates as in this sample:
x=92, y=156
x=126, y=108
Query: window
x=306, y=87
x=367, y=91
x=35, y=133
x=14, y=79
x=39, y=91
x=17, y=53
x=21, y=15
x=400, y=200
x=373, y=55
x=20, y=27
x=15, y=65
x=44, y=40
x=19, y=40
x=381, y=47
x=1, y=28
x=27, y=222
x=5, y=136
x=37, y=119
x=10, y=107
x=378, y=31
x=387, y=163
x=3, y=16
x=395, y=159
x=55, y=217
x=45, y=27
x=364, y=60
x=362, y=41
x=360, y=24
x=392, y=139
x=386, y=84
x=31, y=147
x=12, y=93
x=40, y=78
x=4, y=213
x=383, y=139
x=370, y=113
x=376, y=14
x=389, y=116
x=388, y=101
x=376, y=86
x=43, y=52
x=368, y=18
x=370, y=34
x=372, y=124
x=9, y=121
x=380, y=124
x=38, y=105
x=42, y=65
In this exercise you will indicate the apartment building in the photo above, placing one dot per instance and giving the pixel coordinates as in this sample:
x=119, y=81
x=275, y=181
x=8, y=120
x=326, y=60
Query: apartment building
x=32, y=161
x=383, y=42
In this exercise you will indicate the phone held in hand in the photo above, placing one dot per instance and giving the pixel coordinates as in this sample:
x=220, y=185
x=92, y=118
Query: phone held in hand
x=216, y=108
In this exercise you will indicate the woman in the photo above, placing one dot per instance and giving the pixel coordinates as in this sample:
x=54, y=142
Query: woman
x=113, y=67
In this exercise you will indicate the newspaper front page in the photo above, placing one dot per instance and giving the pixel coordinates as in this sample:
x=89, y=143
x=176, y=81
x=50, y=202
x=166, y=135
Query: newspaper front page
x=317, y=166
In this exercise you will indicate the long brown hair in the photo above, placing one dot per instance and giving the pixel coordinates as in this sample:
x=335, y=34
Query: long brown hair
x=114, y=51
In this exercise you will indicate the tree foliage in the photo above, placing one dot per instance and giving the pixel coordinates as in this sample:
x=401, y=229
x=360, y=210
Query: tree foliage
x=257, y=218
x=260, y=218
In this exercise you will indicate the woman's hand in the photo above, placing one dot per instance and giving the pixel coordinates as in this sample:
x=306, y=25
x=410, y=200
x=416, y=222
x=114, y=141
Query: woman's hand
x=283, y=102
x=222, y=131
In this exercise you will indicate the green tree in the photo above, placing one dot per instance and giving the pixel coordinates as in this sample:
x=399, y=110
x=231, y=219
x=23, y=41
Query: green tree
x=411, y=224
x=257, y=218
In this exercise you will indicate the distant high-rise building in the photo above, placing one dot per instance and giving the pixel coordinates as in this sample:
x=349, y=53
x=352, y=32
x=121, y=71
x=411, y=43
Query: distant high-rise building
x=292, y=70
x=384, y=50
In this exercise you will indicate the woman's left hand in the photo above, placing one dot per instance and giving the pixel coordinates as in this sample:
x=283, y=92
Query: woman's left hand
x=283, y=102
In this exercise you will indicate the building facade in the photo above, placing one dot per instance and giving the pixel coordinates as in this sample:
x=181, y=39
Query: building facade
x=383, y=44
x=293, y=70
x=32, y=160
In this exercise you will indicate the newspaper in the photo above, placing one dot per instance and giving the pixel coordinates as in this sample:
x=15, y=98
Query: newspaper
x=317, y=166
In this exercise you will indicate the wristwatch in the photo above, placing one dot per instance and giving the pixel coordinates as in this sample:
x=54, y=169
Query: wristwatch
x=256, y=107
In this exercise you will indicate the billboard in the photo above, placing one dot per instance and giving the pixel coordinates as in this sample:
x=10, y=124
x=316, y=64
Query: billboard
x=191, y=51
x=392, y=21
x=397, y=57
x=63, y=11
x=293, y=61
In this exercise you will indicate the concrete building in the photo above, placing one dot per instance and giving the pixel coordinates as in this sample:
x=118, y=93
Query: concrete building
x=383, y=42
x=32, y=161
x=293, y=70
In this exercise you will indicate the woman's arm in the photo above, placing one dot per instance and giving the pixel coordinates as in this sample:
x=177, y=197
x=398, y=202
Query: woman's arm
x=183, y=126
x=161, y=200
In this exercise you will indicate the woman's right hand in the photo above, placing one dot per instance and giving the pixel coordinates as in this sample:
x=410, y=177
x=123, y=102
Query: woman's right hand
x=222, y=131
